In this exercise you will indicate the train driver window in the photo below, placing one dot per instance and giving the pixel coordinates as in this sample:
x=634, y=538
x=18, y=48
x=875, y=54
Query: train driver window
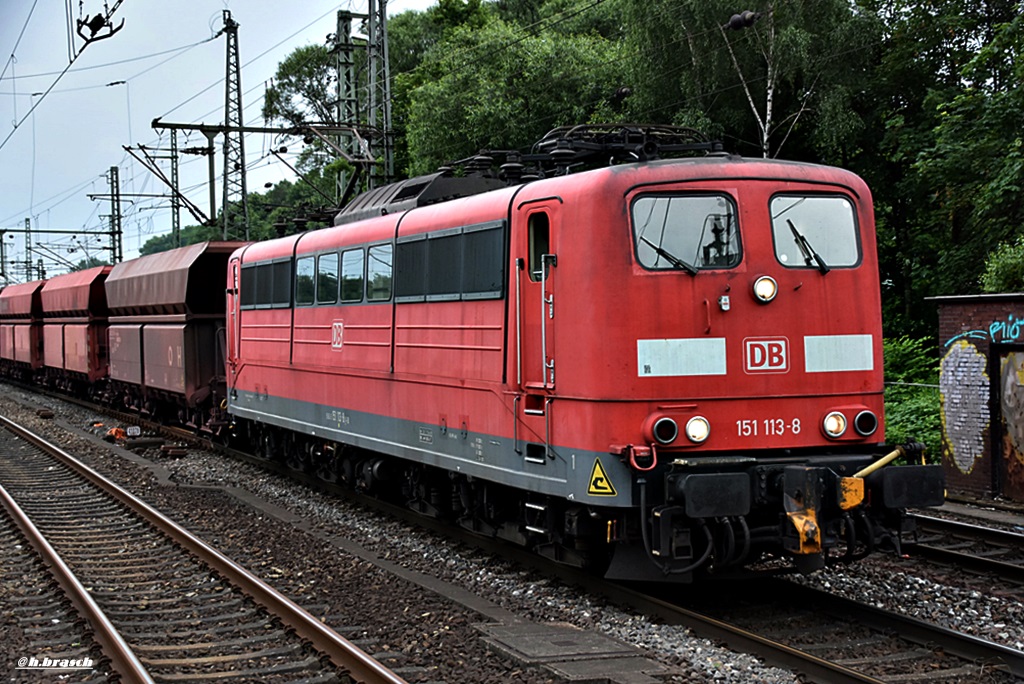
x=540, y=244
x=686, y=232
x=815, y=231
x=352, y=275
x=304, y=283
x=327, y=278
x=378, y=273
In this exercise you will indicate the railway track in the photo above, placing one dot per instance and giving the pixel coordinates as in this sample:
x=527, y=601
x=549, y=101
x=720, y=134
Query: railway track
x=825, y=638
x=161, y=604
x=979, y=549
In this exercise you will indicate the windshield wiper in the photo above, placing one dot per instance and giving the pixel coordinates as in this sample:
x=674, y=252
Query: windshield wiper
x=671, y=258
x=807, y=250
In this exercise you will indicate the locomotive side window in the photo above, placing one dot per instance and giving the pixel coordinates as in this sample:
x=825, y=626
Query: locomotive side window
x=483, y=261
x=247, y=297
x=304, y=283
x=264, y=284
x=815, y=231
x=352, y=275
x=411, y=268
x=467, y=262
x=686, y=232
x=327, y=278
x=378, y=273
x=444, y=265
x=281, y=293
x=539, y=234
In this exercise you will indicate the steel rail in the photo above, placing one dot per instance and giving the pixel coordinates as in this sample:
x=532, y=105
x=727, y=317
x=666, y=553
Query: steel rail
x=122, y=658
x=777, y=654
x=973, y=533
x=342, y=653
x=924, y=633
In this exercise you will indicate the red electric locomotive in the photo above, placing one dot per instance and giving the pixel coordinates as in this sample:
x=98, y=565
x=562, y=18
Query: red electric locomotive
x=664, y=367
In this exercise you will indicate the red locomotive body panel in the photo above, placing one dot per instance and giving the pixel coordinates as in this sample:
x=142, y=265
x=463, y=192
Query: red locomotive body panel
x=635, y=342
x=614, y=342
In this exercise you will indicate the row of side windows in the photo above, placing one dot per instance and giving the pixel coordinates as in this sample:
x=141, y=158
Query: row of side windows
x=351, y=276
x=460, y=263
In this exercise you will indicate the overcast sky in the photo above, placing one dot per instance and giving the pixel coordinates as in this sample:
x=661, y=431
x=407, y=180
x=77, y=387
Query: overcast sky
x=62, y=152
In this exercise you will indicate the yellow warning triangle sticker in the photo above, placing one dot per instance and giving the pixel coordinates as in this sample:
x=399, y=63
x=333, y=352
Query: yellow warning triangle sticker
x=600, y=485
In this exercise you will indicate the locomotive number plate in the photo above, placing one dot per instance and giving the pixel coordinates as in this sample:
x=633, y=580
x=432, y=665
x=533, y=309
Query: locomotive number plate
x=767, y=427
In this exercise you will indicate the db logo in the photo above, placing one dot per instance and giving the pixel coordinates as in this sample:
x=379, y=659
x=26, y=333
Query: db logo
x=766, y=355
x=337, y=334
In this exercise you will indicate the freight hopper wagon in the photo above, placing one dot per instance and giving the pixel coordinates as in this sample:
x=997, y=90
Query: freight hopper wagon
x=21, y=339
x=661, y=368
x=166, y=312
x=74, y=311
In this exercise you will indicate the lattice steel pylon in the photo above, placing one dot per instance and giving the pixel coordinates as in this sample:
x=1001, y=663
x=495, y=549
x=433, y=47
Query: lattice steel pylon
x=235, y=207
x=347, y=105
x=379, y=82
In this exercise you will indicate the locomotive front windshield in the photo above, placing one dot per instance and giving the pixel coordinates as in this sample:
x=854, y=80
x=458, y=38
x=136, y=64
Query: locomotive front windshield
x=814, y=231
x=686, y=232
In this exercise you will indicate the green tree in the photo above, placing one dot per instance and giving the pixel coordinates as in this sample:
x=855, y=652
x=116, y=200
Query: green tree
x=920, y=70
x=976, y=162
x=786, y=82
x=1004, y=269
x=303, y=88
x=501, y=87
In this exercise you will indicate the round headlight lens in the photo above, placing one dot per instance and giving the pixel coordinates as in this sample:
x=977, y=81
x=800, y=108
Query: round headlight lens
x=697, y=429
x=834, y=424
x=765, y=289
x=865, y=423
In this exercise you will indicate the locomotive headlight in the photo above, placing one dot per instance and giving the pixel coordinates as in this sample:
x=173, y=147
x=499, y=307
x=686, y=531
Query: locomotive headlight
x=834, y=424
x=865, y=423
x=697, y=429
x=765, y=289
x=665, y=430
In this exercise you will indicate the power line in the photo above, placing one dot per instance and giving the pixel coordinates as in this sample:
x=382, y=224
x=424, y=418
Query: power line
x=12, y=59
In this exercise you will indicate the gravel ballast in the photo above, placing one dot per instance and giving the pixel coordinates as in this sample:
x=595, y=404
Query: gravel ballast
x=408, y=626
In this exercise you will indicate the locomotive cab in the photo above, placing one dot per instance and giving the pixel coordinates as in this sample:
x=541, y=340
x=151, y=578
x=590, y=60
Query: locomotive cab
x=713, y=328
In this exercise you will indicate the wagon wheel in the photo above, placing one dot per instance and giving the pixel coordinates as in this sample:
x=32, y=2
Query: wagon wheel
x=295, y=458
x=326, y=466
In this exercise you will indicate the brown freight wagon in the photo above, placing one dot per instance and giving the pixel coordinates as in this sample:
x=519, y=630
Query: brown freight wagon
x=74, y=311
x=166, y=332
x=21, y=341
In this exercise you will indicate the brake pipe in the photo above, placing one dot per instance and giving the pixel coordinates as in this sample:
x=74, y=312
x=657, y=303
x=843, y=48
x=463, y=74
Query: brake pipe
x=902, y=450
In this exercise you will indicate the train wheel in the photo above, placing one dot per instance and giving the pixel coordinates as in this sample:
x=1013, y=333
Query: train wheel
x=325, y=463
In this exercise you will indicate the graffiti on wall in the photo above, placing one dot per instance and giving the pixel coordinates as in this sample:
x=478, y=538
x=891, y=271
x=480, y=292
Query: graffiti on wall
x=1009, y=328
x=1012, y=398
x=963, y=393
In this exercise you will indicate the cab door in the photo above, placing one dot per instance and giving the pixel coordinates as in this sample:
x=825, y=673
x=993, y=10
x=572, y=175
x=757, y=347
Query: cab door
x=536, y=315
x=234, y=321
x=536, y=302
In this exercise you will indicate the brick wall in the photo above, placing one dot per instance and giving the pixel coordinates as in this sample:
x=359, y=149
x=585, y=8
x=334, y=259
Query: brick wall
x=968, y=329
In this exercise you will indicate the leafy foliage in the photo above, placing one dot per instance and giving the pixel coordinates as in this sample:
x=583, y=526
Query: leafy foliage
x=1004, y=270
x=912, y=409
x=501, y=87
